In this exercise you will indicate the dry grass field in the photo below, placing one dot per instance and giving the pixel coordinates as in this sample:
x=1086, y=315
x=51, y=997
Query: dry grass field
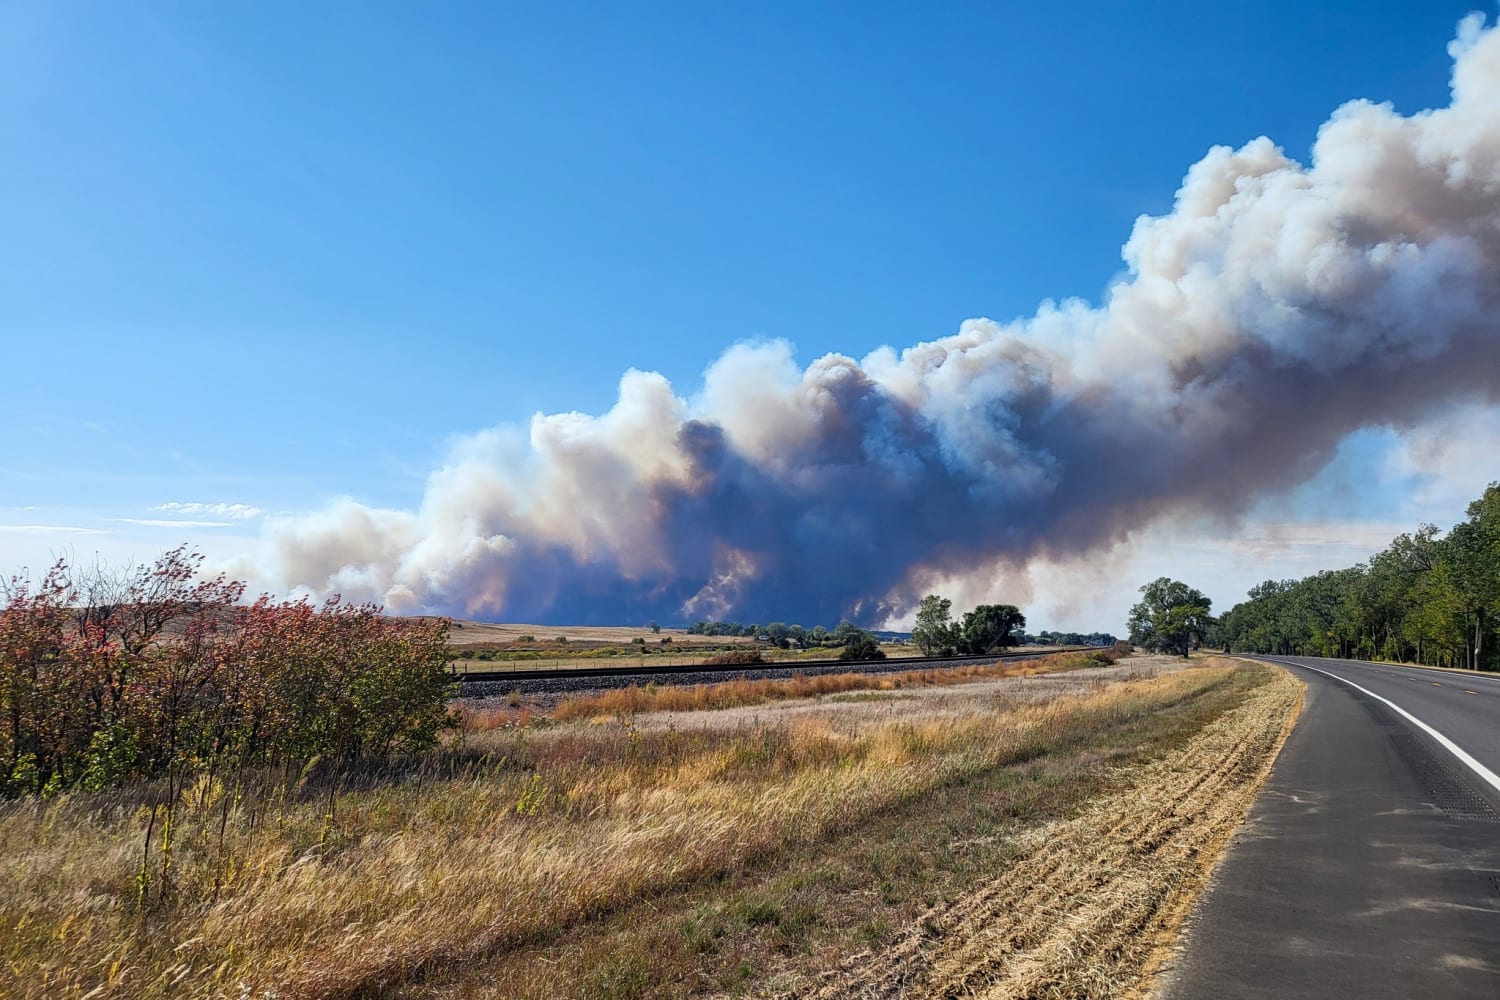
x=467, y=633
x=1010, y=836
x=487, y=646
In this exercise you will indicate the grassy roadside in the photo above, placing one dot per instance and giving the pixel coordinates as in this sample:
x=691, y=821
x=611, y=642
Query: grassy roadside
x=863, y=912
x=587, y=860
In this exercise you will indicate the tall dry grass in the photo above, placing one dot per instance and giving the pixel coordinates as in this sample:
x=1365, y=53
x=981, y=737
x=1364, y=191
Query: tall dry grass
x=744, y=691
x=348, y=887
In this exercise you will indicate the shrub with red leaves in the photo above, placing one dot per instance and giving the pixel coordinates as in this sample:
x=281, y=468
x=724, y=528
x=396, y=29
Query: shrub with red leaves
x=161, y=672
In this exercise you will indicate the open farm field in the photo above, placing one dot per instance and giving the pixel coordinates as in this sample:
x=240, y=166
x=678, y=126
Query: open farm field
x=488, y=647
x=1021, y=835
x=469, y=633
x=544, y=657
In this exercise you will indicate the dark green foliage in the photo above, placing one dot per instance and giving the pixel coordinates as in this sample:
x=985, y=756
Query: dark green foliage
x=934, y=631
x=1427, y=598
x=780, y=634
x=1046, y=638
x=990, y=627
x=1170, y=617
x=862, y=647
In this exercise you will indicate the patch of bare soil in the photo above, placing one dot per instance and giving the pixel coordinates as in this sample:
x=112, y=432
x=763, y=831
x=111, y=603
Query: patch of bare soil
x=1093, y=904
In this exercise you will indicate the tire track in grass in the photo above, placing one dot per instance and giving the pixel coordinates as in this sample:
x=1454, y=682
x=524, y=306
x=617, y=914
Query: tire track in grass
x=1093, y=903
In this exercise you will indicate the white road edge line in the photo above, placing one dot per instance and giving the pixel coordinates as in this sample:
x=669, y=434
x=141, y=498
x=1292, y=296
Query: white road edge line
x=1489, y=776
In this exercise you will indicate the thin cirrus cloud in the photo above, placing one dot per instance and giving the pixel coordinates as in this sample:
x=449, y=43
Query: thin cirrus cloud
x=48, y=529
x=233, y=511
x=149, y=522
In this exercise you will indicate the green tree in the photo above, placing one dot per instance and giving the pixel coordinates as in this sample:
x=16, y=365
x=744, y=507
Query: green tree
x=861, y=646
x=933, y=630
x=1472, y=549
x=990, y=627
x=781, y=635
x=846, y=632
x=1170, y=616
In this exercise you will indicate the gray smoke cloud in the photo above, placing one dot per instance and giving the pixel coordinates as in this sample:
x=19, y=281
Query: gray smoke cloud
x=1276, y=309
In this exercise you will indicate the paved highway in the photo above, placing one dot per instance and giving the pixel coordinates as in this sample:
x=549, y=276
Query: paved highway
x=1370, y=865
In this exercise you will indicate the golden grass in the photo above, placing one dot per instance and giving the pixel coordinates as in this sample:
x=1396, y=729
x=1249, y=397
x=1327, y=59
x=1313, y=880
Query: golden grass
x=339, y=893
x=1089, y=906
x=627, y=701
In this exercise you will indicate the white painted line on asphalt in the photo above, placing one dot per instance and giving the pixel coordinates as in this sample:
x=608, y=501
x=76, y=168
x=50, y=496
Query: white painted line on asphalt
x=1449, y=745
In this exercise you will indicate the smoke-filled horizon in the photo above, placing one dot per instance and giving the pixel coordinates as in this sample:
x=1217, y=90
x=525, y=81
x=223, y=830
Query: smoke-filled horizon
x=1276, y=309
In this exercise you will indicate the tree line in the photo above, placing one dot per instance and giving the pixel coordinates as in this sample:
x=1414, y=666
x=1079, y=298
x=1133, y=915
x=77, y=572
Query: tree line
x=157, y=673
x=1051, y=638
x=1429, y=598
x=784, y=636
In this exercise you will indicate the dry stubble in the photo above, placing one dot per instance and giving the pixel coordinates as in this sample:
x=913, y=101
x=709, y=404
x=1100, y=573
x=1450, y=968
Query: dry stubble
x=1090, y=910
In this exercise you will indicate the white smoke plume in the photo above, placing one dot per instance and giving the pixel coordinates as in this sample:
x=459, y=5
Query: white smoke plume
x=1276, y=309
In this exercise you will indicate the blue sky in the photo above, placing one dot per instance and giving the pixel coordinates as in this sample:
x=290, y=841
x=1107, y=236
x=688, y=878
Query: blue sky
x=268, y=255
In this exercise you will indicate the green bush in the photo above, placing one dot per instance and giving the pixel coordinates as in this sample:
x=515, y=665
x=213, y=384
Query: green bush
x=862, y=647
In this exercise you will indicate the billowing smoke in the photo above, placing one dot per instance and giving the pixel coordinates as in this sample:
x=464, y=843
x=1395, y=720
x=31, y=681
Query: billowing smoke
x=1276, y=309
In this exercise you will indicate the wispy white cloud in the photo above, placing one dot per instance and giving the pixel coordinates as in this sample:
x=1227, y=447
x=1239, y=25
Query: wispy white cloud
x=1445, y=462
x=48, y=529
x=236, y=511
x=148, y=522
x=1304, y=539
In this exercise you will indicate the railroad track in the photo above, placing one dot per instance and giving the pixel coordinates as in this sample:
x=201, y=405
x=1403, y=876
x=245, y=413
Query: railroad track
x=736, y=669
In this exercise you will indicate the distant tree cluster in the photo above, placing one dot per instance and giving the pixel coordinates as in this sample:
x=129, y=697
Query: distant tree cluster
x=785, y=636
x=986, y=629
x=1427, y=598
x=722, y=629
x=158, y=673
x=1049, y=638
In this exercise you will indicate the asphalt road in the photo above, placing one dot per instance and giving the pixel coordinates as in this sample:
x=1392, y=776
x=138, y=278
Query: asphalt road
x=1370, y=865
